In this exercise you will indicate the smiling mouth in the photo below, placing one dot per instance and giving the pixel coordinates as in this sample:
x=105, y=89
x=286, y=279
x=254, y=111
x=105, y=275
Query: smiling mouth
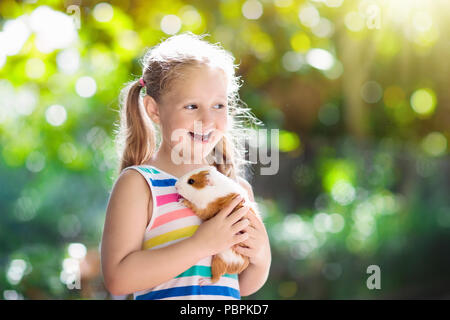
x=200, y=137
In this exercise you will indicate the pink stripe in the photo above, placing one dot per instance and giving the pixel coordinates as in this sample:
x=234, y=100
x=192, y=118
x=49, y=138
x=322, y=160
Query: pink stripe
x=173, y=215
x=166, y=198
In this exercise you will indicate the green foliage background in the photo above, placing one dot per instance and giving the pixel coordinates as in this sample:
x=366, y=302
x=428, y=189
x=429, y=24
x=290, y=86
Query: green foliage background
x=364, y=163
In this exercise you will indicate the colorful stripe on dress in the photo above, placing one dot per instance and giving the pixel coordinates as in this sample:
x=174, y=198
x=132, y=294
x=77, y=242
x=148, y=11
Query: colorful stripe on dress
x=170, y=236
x=189, y=291
x=204, y=271
x=171, y=216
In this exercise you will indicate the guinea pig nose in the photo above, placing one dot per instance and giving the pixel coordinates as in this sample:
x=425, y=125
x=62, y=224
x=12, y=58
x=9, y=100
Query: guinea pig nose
x=191, y=181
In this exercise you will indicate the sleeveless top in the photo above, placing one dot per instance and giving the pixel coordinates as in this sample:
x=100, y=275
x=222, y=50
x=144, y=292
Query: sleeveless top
x=171, y=222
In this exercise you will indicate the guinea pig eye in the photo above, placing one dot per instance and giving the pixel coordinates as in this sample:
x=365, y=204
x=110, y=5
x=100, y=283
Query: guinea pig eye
x=191, y=181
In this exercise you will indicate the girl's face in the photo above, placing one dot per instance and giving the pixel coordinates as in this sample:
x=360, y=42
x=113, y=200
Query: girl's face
x=193, y=115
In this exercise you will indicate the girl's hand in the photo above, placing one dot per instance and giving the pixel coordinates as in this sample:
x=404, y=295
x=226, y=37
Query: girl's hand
x=223, y=230
x=255, y=247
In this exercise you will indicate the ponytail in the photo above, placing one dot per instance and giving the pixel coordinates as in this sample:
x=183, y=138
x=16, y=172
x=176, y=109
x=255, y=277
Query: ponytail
x=224, y=158
x=136, y=129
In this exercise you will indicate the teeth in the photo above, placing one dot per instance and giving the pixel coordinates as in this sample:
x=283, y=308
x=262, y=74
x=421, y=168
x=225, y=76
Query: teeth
x=199, y=134
x=200, y=137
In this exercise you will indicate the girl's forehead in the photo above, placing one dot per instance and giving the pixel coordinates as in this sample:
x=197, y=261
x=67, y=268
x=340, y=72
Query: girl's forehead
x=196, y=82
x=193, y=76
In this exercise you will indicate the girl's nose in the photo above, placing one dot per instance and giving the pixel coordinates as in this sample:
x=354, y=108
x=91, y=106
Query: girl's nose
x=206, y=119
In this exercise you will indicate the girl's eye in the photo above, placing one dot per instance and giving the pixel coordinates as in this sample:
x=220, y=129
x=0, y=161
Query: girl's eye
x=193, y=106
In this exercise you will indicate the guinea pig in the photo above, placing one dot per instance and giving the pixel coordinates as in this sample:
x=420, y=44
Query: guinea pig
x=206, y=191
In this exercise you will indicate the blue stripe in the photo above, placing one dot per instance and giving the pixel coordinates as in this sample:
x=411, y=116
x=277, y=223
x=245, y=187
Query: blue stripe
x=163, y=182
x=189, y=291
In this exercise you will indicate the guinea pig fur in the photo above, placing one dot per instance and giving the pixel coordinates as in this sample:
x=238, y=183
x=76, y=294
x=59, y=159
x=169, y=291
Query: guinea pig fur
x=206, y=191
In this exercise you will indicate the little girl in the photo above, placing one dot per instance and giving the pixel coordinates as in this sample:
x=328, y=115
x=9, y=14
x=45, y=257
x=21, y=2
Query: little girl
x=153, y=246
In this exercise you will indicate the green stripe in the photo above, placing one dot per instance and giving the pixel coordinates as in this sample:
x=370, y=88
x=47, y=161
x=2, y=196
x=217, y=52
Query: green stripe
x=203, y=271
x=149, y=170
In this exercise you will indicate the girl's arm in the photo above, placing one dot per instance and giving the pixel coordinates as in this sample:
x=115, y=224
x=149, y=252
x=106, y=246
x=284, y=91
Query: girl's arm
x=254, y=277
x=256, y=274
x=126, y=267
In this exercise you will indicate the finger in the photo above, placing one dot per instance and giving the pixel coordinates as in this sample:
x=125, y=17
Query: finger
x=243, y=244
x=251, y=227
x=256, y=223
x=228, y=209
x=237, y=215
x=240, y=225
x=241, y=237
x=249, y=243
x=254, y=218
x=244, y=251
x=251, y=231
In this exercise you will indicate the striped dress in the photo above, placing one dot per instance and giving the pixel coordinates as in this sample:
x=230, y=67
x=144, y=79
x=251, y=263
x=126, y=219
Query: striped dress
x=171, y=222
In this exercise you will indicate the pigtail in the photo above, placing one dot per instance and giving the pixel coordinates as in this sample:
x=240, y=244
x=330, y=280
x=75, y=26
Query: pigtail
x=136, y=129
x=224, y=158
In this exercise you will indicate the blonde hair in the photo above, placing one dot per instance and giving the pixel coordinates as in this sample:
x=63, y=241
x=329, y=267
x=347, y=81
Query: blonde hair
x=137, y=137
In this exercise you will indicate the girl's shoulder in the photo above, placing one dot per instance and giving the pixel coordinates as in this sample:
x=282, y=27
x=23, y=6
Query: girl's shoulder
x=131, y=189
x=131, y=181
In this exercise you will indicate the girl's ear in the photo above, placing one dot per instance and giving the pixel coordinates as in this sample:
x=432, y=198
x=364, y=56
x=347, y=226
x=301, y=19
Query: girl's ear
x=152, y=108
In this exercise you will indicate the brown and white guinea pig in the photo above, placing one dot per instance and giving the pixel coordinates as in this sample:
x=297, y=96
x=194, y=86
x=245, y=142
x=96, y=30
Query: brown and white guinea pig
x=206, y=191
